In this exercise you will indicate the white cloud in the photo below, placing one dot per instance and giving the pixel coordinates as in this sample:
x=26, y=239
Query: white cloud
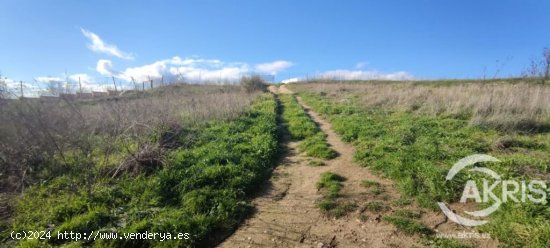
x=365, y=75
x=87, y=82
x=82, y=77
x=14, y=86
x=49, y=79
x=195, y=61
x=100, y=46
x=35, y=88
x=71, y=84
x=227, y=73
x=274, y=67
x=105, y=68
x=290, y=80
x=189, y=69
x=155, y=70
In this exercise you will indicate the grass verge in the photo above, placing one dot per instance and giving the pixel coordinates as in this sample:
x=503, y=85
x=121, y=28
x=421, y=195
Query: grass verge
x=301, y=127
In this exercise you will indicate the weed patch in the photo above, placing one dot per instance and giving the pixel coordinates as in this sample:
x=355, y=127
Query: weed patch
x=407, y=225
x=302, y=127
x=330, y=185
x=200, y=189
x=315, y=163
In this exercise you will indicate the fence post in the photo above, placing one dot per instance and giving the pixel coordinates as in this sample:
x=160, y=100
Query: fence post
x=114, y=82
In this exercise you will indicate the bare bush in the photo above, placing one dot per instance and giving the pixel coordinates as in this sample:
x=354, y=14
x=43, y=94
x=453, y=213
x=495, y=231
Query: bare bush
x=539, y=68
x=40, y=139
x=4, y=93
x=520, y=106
x=253, y=83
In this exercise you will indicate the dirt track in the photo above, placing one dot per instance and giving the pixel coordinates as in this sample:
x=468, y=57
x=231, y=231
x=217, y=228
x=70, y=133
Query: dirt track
x=287, y=216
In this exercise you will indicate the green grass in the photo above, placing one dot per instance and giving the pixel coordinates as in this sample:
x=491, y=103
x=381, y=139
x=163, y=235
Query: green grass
x=374, y=187
x=330, y=182
x=341, y=209
x=442, y=242
x=316, y=162
x=375, y=206
x=330, y=185
x=201, y=189
x=317, y=147
x=302, y=127
x=407, y=225
x=369, y=184
x=402, y=201
x=416, y=152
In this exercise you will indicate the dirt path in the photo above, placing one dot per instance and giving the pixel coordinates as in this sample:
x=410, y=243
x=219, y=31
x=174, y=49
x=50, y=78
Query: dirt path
x=287, y=215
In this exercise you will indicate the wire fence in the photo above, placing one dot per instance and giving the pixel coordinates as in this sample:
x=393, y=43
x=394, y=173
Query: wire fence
x=107, y=86
x=110, y=86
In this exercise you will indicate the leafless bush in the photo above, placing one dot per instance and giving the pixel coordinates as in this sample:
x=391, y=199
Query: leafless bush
x=41, y=138
x=4, y=93
x=539, y=68
x=253, y=83
x=147, y=160
x=520, y=106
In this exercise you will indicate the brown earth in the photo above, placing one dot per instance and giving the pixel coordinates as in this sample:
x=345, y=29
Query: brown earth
x=287, y=216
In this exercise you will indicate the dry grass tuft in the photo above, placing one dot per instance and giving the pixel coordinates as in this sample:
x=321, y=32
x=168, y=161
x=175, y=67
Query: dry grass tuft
x=41, y=139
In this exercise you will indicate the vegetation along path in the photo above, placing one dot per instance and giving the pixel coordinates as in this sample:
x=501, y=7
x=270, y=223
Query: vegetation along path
x=370, y=213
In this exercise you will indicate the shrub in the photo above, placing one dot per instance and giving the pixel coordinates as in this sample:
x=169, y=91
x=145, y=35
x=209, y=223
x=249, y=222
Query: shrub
x=253, y=83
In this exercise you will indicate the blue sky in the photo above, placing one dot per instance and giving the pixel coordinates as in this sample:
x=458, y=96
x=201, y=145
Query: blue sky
x=288, y=38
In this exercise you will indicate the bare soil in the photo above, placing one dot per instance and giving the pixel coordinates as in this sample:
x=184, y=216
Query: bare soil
x=287, y=216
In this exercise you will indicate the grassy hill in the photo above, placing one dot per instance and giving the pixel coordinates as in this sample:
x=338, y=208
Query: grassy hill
x=413, y=132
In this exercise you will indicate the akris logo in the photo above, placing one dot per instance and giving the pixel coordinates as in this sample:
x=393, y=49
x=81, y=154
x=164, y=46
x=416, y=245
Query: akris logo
x=496, y=190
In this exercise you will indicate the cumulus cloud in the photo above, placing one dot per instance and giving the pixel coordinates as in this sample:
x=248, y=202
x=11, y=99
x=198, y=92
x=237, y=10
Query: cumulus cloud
x=87, y=82
x=155, y=70
x=100, y=46
x=82, y=77
x=13, y=87
x=71, y=84
x=226, y=73
x=189, y=69
x=274, y=67
x=365, y=75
